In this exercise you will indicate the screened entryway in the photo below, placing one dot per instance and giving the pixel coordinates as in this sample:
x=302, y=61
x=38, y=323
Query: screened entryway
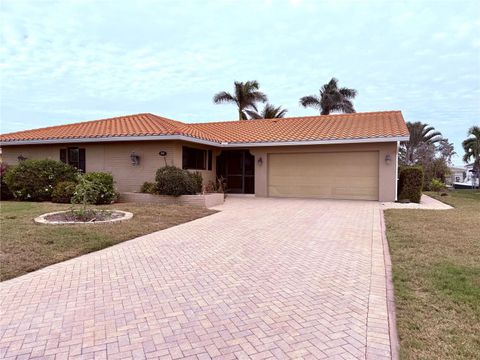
x=237, y=167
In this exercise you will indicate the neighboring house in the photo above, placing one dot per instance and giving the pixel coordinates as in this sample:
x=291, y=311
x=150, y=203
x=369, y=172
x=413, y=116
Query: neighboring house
x=457, y=174
x=347, y=156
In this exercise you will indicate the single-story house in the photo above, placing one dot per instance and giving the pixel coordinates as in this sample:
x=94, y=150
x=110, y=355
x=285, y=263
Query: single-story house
x=344, y=156
x=457, y=174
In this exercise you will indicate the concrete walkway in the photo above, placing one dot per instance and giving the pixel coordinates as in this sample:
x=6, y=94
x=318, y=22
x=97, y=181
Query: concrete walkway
x=426, y=203
x=262, y=279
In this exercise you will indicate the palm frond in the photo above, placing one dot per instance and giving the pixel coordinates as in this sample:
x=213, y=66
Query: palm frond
x=310, y=101
x=224, y=97
x=348, y=93
x=272, y=112
x=253, y=114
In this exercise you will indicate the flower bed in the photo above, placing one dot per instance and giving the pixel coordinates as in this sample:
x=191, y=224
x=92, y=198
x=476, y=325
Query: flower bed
x=89, y=216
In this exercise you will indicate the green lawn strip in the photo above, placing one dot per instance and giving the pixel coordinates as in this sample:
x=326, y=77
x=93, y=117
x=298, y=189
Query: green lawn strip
x=26, y=246
x=436, y=273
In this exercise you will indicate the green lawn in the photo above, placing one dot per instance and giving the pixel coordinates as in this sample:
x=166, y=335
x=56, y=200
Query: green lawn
x=26, y=246
x=436, y=273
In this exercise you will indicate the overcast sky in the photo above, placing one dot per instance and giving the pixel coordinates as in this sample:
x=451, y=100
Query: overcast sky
x=66, y=61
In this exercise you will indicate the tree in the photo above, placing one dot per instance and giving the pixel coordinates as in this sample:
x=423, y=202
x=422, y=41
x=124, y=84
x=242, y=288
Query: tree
x=245, y=96
x=422, y=140
x=332, y=98
x=268, y=112
x=471, y=145
x=446, y=150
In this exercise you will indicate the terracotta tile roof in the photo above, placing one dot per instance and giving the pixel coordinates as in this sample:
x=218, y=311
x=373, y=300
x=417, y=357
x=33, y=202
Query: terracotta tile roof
x=331, y=127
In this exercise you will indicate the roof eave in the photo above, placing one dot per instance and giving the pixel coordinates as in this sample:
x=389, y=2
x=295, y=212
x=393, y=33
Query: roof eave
x=203, y=141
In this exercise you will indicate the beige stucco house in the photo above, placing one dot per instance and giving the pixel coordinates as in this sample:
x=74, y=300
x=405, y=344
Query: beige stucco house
x=347, y=156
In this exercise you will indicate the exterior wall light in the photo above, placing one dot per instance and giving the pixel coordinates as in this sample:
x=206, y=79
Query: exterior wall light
x=388, y=159
x=260, y=161
x=135, y=159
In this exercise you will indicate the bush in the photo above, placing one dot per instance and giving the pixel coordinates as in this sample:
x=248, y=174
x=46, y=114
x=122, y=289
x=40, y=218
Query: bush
x=436, y=185
x=173, y=181
x=95, y=188
x=148, y=188
x=218, y=186
x=63, y=192
x=198, y=181
x=5, y=194
x=410, y=183
x=34, y=180
x=435, y=169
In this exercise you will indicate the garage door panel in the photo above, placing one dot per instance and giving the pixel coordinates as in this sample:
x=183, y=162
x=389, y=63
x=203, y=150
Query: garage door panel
x=342, y=175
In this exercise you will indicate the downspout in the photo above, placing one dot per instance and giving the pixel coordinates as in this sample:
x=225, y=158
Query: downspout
x=396, y=172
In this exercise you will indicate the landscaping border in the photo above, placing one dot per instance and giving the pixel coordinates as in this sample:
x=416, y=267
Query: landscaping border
x=391, y=307
x=203, y=200
x=42, y=219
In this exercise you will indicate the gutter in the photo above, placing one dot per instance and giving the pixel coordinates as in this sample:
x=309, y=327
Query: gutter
x=204, y=142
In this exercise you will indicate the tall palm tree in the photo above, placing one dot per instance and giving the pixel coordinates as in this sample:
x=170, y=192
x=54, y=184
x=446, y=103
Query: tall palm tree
x=332, y=98
x=421, y=135
x=246, y=95
x=471, y=145
x=268, y=112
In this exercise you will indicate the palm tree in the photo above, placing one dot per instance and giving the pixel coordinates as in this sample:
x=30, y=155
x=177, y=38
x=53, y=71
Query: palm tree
x=268, y=112
x=245, y=96
x=421, y=136
x=471, y=145
x=331, y=99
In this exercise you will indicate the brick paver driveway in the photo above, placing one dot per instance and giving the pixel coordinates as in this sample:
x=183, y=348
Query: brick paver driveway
x=264, y=278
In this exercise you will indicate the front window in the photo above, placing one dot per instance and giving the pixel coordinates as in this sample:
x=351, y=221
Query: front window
x=73, y=156
x=196, y=159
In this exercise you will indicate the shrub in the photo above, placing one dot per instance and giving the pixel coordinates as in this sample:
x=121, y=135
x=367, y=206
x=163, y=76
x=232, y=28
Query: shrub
x=173, y=181
x=34, y=180
x=410, y=183
x=198, y=181
x=217, y=186
x=63, y=192
x=436, y=185
x=95, y=188
x=5, y=194
x=148, y=188
x=435, y=169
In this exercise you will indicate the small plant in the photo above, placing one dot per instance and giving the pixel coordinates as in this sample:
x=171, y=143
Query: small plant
x=173, y=181
x=410, y=184
x=437, y=185
x=217, y=186
x=148, y=188
x=95, y=188
x=34, y=180
x=63, y=192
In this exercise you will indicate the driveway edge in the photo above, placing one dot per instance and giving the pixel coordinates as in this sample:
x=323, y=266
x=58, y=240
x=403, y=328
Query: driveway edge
x=392, y=316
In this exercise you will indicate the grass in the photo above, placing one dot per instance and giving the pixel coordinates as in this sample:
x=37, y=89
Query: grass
x=26, y=246
x=436, y=274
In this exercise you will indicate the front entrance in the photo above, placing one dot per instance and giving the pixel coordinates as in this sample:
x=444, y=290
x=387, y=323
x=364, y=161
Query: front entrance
x=237, y=167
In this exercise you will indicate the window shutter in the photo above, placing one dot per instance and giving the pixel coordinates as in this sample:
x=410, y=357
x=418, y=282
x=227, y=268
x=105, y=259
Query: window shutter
x=63, y=155
x=81, y=159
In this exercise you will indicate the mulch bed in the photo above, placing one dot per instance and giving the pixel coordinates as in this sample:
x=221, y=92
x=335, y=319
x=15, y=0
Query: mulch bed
x=85, y=216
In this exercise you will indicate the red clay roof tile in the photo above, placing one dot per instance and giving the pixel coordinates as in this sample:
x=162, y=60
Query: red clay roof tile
x=330, y=127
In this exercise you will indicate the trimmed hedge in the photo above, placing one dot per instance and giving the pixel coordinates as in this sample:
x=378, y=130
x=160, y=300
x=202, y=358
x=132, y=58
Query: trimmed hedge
x=63, y=192
x=148, y=188
x=34, y=180
x=410, y=183
x=95, y=188
x=5, y=194
x=173, y=181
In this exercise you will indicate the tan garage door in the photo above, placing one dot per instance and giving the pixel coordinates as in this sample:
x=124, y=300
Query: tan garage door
x=339, y=175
